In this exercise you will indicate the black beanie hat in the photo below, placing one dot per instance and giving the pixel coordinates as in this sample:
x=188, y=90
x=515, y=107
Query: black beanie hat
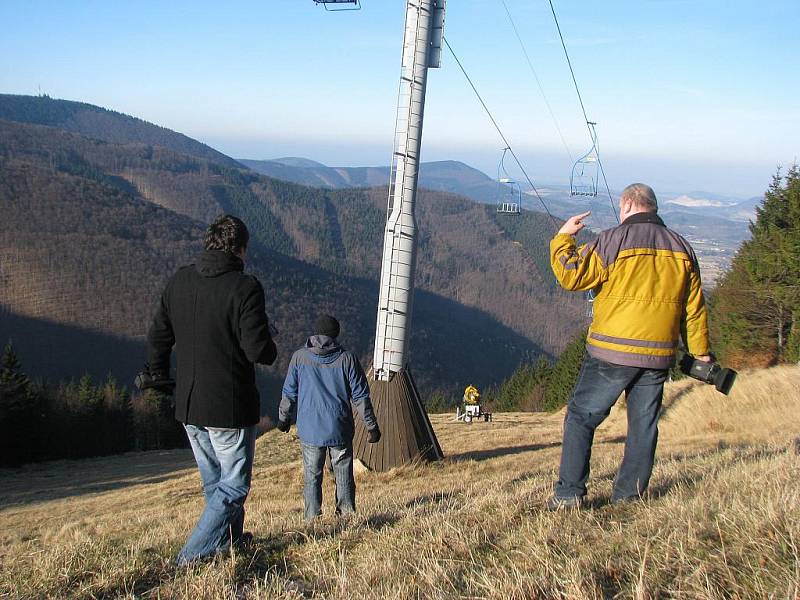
x=327, y=325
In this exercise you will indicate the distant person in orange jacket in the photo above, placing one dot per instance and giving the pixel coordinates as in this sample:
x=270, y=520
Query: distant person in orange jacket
x=646, y=281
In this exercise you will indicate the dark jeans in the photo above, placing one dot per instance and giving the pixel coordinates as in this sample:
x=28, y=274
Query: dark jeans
x=597, y=389
x=313, y=465
x=225, y=461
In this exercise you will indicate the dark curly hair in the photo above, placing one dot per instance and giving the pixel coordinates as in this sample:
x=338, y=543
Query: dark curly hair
x=227, y=233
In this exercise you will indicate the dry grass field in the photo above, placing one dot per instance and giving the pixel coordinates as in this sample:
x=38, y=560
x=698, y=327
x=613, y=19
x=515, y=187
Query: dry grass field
x=722, y=519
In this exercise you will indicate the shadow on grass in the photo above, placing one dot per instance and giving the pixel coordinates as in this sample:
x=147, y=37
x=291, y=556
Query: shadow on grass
x=43, y=482
x=503, y=451
x=272, y=554
x=665, y=485
x=617, y=439
x=692, y=479
x=742, y=454
x=672, y=400
x=139, y=585
x=428, y=503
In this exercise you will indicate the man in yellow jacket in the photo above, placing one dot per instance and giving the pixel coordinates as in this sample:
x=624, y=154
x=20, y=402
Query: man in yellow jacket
x=646, y=282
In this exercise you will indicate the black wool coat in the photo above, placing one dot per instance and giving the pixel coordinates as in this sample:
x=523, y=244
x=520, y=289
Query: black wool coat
x=214, y=316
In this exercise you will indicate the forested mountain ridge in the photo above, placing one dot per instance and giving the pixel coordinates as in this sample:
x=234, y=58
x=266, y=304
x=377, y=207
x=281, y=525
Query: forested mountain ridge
x=83, y=263
x=102, y=124
x=466, y=249
x=86, y=248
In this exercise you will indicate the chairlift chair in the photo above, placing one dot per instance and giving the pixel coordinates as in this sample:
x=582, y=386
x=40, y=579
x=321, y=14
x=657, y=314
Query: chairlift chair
x=333, y=5
x=585, y=172
x=510, y=200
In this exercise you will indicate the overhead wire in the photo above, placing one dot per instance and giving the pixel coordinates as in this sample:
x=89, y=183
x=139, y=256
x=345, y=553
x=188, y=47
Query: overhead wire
x=500, y=132
x=583, y=107
x=536, y=77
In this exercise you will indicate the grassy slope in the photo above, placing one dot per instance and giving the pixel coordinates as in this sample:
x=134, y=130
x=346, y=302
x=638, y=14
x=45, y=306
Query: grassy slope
x=723, y=519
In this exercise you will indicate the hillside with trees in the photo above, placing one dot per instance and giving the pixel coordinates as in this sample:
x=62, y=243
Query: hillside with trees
x=89, y=258
x=467, y=252
x=77, y=418
x=92, y=229
x=756, y=305
x=102, y=124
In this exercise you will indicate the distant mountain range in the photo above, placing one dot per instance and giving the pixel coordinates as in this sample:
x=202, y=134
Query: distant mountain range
x=459, y=178
x=100, y=208
x=445, y=176
x=705, y=204
x=715, y=224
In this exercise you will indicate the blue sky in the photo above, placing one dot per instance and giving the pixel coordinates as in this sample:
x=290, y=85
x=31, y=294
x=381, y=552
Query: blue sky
x=688, y=94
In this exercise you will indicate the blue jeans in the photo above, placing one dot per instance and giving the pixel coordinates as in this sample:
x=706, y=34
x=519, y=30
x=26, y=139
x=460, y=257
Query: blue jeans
x=225, y=460
x=597, y=389
x=313, y=465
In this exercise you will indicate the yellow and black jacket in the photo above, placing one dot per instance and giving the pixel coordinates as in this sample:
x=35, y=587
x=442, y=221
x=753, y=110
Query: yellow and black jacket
x=647, y=291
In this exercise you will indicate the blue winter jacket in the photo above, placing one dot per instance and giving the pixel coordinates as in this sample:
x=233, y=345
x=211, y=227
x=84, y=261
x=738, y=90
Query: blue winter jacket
x=323, y=379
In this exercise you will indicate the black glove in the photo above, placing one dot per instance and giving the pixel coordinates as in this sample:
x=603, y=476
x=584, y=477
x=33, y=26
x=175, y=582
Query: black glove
x=374, y=436
x=283, y=426
x=154, y=380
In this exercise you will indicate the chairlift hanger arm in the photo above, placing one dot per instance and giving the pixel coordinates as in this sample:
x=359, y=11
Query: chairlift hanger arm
x=505, y=204
x=356, y=4
x=583, y=180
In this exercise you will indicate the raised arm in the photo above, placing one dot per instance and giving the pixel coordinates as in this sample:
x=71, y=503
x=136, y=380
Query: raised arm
x=576, y=268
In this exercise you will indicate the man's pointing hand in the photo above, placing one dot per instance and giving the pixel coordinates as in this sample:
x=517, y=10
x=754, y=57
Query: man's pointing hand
x=574, y=224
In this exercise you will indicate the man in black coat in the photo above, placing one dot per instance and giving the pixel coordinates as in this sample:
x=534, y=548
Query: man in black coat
x=214, y=315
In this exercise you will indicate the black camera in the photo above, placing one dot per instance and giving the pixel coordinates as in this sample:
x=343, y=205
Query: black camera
x=708, y=372
x=161, y=382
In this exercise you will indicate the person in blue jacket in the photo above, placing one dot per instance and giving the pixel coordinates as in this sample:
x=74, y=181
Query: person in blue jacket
x=322, y=381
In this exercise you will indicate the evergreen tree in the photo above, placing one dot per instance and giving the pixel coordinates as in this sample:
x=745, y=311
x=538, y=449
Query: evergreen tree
x=756, y=306
x=11, y=369
x=125, y=420
x=87, y=394
x=437, y=403
x=523, y=390
x=21, y=413
x=565, y=374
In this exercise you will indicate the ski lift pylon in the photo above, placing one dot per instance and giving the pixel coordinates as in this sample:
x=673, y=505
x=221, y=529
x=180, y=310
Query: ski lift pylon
x=584, y=177
x=334, y=4
x=510, y=200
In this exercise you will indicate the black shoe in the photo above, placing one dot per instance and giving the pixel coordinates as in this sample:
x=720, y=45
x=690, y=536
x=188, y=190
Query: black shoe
x=555, y=503
x=244, y=541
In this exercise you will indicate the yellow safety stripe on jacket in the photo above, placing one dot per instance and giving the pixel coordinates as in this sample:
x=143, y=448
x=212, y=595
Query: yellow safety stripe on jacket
x=647, y=292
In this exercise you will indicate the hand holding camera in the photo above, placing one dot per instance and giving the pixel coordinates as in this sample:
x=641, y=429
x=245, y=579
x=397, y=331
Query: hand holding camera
x=154, y=380
x=708, y=371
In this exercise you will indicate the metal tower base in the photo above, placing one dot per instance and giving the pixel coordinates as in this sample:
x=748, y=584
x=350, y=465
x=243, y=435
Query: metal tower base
x=407, y=435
